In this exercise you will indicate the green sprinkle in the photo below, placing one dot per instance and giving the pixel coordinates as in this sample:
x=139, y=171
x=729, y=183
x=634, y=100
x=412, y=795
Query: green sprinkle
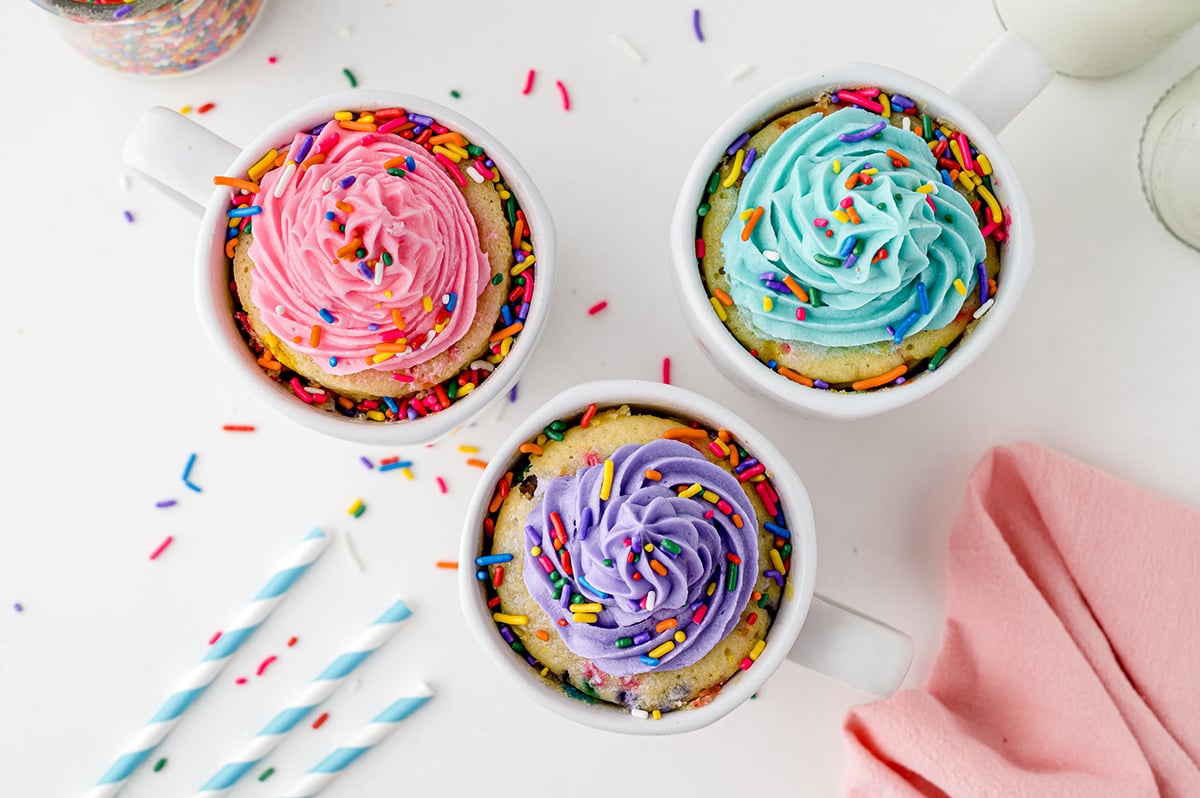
x=949, y=218
x=937, y=359
x=703, y=209
x=474, y=150
x=926, y=127
x=360, y=510
x=574, y=692
x=577, y=598
x=731, y=578
x=553, y=434
x=510, y=210
x=785, y=550
x=454, y=93
x=266, y=774
x=669, y=545
x=814, y=298
x=386, y=258
x=881, y=206
x=249, y=228
x=713, y=182
x=518, y=646
x=826, y=260
x=558, y=425
x=557, y=593
x=396, y=172
x=499, y=278
x=896, y=197
x=353, y=83
x=452, y=389
x=609, y=563
x=519, y=280
x=341, y=228
x=360, y=253
x=859, y=246
x=624, y=642
x=160, y=764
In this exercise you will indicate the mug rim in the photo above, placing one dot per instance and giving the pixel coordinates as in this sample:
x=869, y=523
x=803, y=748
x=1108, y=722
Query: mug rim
x=798, y=590
x=731, y=357
x=222, y=329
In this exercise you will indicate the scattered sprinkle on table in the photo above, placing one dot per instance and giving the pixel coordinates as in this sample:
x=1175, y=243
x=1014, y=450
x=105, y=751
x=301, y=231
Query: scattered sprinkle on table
x=18, y=607
x=441, y=484
x=740, y=72
x=160, y=764
x=475, y=462
x=128, y=216
x=366, y=461
x=319, y=722
x=292, y=641
x=266, y=774
x=357, y=509
x=447, y=564
x=350, y=77
x=666, y=371
x=455, y=93
x=465, y=449
x=628, y=47
x=696, y=24
x=240, y=680
x=566, y=98
x=204, y=109
x=216, y=636
x=529, y=81
x=262, y=666
x=512, y=394
x=187, y=472
x=166, y=503
x=352, y=552
x=161, y=548
x=395, y=464
x=238, y=428
x=599, y=306
x=272, y=59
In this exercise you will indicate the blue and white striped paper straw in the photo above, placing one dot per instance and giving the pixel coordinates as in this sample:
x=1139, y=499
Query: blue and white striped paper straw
x=317, y=691
x=215, y=660
x=384, y=724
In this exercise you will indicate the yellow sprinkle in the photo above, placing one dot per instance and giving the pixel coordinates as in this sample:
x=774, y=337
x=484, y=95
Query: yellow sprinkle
x=648, y=547
x=427, y=303
x=466, y=389
x=545, y=671
x=468, y=449
x=187, y=109
x=887, y=105
x=960, y=287
x=965, y=179
x=723, y=446
x=606, y=482
x=716, y=303
x=387, y=294
x=505, y=345
x=451, y=155
x=712, y=587
x=757, y=651
x=736, y=170
x=997, y=214
x=536, y=551
x=504, y=194
x=586, y=607
x=928, y=188
x=746, y=214
x=777, y=561
x=710, y=497
x=343, y=116
x=690, y=491
x=958, y=153
x=367, y=118
x=656, y=714
x=264, y=163
x=235, y=222
x=837, y=166
x=841, y=216
x=376, y=415
x=522, y=266
x=768, y=304
x=381, y=356
x=680, y=636
x=526, y=246
x=947, y=132
x=985, y=166
x=511, y=620
x=354, y=508
x=659, y=651
x=457, y=150
x=585, y=617
x=871, y=171
x=407, y=472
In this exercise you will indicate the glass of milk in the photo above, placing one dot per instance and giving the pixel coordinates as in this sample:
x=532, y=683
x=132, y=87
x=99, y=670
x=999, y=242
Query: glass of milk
x=1169, y=160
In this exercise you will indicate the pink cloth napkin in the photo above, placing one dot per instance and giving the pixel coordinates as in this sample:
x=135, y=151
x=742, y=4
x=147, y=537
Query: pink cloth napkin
x=1070, y=664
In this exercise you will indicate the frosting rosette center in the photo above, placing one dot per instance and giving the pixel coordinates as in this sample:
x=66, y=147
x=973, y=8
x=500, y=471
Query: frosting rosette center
x=371, y=241
x=857, y=209
x=641, y=557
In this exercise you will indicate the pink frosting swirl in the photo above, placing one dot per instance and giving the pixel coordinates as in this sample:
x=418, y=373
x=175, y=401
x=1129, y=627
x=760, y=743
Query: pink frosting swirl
x=419, y=221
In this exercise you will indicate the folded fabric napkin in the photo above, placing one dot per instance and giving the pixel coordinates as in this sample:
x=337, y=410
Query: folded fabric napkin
x=1070, y=664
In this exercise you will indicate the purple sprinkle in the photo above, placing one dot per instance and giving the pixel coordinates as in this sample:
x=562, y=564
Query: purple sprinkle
x=489, y=163
x=821, y=384
x=524, y=311
x=166, y=503
x=695, y=605
x=316, y=131
x=836, y=98
x=751, y=154
x=507, y=634
x=372, y=326
x=742, y=466
x=696, y=24
x=899, y=381
x=123, y=12
x=865, y=133
x=533, y=536
x=412, y=412
x=851, y=259
x=640, y=638
x=366, y=461
x=420, y=119
x=512, y=394
x=983, y=282
x=532, y=660
x=128, y=214
x=346, y=182
x=900, y=101
x=564, y=598
x=773, y=574
x=767, y=276
x=302, y=150
x=867, y=165
x=777, y=286
x=365, y=270
x=19, y=607
x=737, y=144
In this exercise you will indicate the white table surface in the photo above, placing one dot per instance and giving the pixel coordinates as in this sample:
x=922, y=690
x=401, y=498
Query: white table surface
x=109, y=384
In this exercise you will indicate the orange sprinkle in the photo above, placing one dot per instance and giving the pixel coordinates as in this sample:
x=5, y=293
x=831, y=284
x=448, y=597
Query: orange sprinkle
x=756, y=595
x=511, y=329
x=542, y=634
x=895, y=156
x=529, y=448
x=853, y=214
x=344, y=207
x=658, y=568
x=733, y=457
x=393, y=163
x=234, y=182
x=280, y=158
x=314, y=337
x=791, y=283
x=663, y=626
x=398, y=318
x=795, y=376
x=269, y=362
x=723, y=435
x=677, y=433
x=448, y=564
x=394, y=346
x=346, y=402
x=312, y=160
x=347, y=249
x=653, y=474
x=518, y=231
x=367, y=126
x=450, y=136
x=882, y=379
x=230, y=246
x=749, y=228
x=476, y=462
x=852, y=181
x=726, y=300
x=737, y=520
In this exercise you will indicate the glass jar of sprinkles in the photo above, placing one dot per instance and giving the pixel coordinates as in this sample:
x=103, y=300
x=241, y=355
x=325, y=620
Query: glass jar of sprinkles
x=154, y=38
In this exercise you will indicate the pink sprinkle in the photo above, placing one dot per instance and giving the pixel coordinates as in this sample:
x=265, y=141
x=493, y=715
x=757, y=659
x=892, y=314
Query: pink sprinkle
x=392, y=124
x=800, y=314
x=666, y=374
x=441, y=483
x=298, y=389
x=452, y=169
x=529, y=82
x=262, y=667
x=566, y=100
x=847, y=202
x=161, y=548
x=403, y=377
x=215, y=638
x=596, y=308
x=488, y=174
x=240, y=680
x=699, y=247
x=819, y=222
x=272, y=60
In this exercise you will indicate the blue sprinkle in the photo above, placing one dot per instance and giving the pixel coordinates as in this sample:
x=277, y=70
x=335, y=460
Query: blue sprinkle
x=593, y=590
x=330, y=216
x=238, y=213
x=923, y=298
x=493, y=559
x=410, y=163
x=847, y=246
x=481, y=576
x=333, y=361
x=452, y=302
x=904, y=326
x=395, y=465
x=391, y=403
x=327, y=316
x=651, y=661
x=776, y=529
x=231, y=233
x=772, y=364
x=946, y=179
x=346, y=182
x=372, y=326
x=506, y=313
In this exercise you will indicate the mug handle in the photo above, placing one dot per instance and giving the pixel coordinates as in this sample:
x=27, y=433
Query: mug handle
x=178, y=153
x=1003, y=80
x=854, y=649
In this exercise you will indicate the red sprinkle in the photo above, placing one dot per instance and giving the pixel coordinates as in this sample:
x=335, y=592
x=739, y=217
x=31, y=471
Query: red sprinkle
x=272, y=60
x=319, y=722
x=262, y=666
x=529, y=82
x=566, y=99
x=238, y=428
x=666, y=371
x=498, y=576
x=588, y=415
x=752, y=619
x=596, y=308
x=204, y=109
x=291, y=642
x=161, y=548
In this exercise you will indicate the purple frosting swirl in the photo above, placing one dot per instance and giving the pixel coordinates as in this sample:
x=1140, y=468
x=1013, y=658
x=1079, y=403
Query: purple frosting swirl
x=608, y=562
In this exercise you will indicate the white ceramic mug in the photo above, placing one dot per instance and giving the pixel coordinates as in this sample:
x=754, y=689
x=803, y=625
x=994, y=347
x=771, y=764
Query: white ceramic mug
x=985, y=99
x=808, y=629
x=185, y=156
